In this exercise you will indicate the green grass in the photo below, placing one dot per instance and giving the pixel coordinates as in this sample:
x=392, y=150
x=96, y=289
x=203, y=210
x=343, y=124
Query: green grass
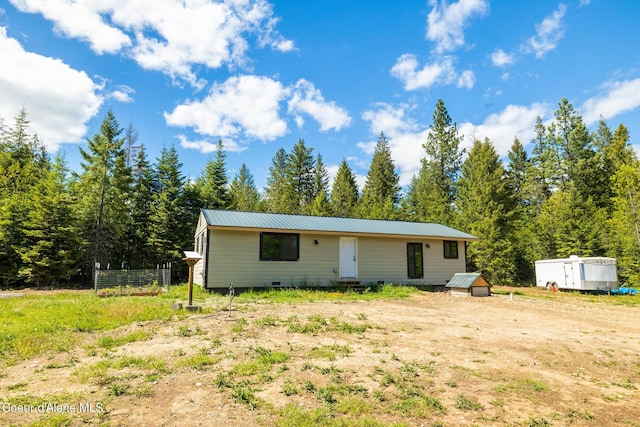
x=293, y=295
x=110, y=342
x=39, y=324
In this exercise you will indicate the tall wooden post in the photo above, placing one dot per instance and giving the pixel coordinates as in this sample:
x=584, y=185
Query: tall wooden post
x=192, y=259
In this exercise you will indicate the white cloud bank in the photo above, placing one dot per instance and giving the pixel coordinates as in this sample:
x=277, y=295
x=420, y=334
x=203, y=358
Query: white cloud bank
x=446, y=22
x=249, y=107
x=406, y=137
x=620, y=97
x=59, y=100
x=154, y=33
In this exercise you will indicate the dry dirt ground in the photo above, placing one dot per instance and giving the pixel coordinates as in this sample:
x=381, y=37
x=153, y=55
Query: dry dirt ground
x=428, y=360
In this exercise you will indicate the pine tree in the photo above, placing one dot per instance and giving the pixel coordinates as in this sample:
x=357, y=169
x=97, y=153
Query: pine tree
x=50, y=254
x=520, y=185
x=168, y=228
x=344, y=193
x=278, y=190
x=435, y=186
x=300, y=177
x=23, y=165
x=143, y=189
x=320, y=205
x=483, y=198
x=381, y=191
x=102, y=195
x=213, y=183
x=243, y=193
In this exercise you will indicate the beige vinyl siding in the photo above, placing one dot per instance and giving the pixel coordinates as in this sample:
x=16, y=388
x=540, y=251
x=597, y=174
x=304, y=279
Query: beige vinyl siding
x=459, y=292
x=201, y=234
x=234, y=258
x=385, y=259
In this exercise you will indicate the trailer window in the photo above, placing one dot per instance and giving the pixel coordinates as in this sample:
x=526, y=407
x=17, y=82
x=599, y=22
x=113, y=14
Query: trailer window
x=450, y=249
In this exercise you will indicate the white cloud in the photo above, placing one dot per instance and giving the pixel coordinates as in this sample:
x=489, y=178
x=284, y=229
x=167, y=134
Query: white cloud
x=406, y=138
x=548, y=34
x=206, y=146
x=501, y=128
x=407, y=70
x=389, y=119
x=59, y=100
x=467, y=79
x=500, y=58
x=122, y=94
x=446, y=22
x=404, y=134
x=246, y=105
x=79, y=19
x=155, y=34
x=305, y=98
x=249, y=106
x=620, y=97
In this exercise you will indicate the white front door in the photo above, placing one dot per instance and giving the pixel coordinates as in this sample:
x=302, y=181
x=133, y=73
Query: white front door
x=348, y=257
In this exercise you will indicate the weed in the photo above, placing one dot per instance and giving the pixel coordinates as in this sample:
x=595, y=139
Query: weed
x=306, y=366
x=267, y=321
x=244, y=393
x=222, y=381
x=536, y=422
x=186, y=331
x=118, y=389
x=198, y=361
x=626, y=384
x=293, y=416
x=574, y=415
x=325, y=394
x=388, y=379
x=352, y=329
x=361, y=316
x=354, y=406
x=524, y=386
x=143, y=390
x=309, y=386
x=463, y=403
x=110, y=342
x=239, y=326
x=379, y=396
x=17, y=386
x=289, y=389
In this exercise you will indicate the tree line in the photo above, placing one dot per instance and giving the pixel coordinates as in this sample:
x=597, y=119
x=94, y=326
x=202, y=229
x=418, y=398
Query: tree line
x=577, y=192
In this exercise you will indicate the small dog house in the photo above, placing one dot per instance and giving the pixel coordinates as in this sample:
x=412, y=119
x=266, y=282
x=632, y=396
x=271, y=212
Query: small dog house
x=468, y=284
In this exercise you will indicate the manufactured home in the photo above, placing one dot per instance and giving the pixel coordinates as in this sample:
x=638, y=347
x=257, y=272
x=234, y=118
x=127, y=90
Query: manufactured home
x=576, y=273
x=251, y=249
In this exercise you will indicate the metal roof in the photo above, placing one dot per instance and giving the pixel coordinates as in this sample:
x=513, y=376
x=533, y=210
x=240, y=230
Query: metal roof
x=462, y=280
x=271, y=221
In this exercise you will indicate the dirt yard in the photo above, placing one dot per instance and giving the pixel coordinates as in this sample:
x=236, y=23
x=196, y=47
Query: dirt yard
x=428, y=360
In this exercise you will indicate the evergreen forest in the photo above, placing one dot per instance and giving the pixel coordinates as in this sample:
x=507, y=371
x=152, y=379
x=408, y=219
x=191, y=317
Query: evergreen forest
x=576, y=192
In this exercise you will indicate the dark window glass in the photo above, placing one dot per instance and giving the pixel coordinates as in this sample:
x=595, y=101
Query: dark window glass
x=414, y=261
x=279, y=247
x=451, y=249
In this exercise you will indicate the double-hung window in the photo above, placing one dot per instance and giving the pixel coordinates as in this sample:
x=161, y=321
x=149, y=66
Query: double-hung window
x=279, y=247
x=450, y=249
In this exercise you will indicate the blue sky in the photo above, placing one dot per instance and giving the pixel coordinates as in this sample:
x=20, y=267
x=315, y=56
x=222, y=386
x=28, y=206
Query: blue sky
x=261, y=75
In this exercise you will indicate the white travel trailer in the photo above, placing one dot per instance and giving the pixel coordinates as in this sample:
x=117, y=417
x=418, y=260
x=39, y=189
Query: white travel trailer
x=576, y=273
